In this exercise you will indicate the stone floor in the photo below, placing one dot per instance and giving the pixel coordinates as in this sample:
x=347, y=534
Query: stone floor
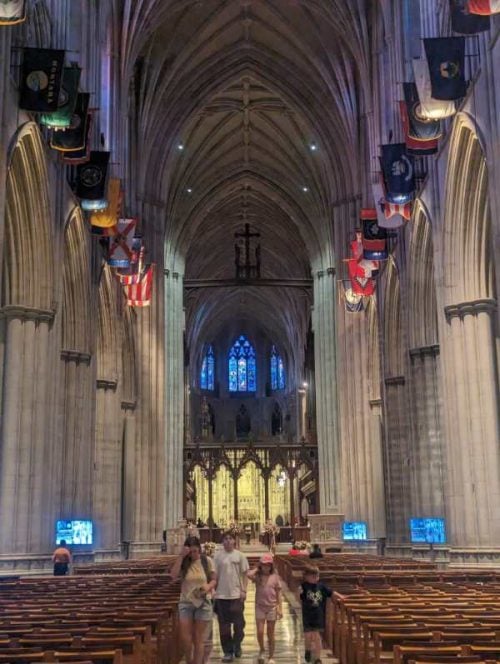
x=289, y=641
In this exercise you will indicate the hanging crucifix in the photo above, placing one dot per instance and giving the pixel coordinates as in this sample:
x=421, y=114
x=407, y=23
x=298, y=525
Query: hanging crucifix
x=247, y=269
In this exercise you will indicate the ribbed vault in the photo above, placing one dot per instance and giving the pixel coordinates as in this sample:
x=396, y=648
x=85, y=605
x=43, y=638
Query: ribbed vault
x=247, y=88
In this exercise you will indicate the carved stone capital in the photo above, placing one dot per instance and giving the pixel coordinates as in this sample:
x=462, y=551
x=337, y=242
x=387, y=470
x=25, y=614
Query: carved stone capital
x=129, y=405
x=104, y=384
x=424, y=351
x=375, y=402
x=320, y=274
x=395, y=380
x=27, y=313
x=330, y=271
x=75, y=356
x=472, y=308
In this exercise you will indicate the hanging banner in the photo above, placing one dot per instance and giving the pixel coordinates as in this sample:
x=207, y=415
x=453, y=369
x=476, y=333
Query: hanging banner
x=133, y=274
x=421, y=133
x=464, y=22
x=108, y=217
x=385, y=220
x=91, y=177
x=41, y=79
x=74, y=138
x=374, y=239
x=139, y=294
x=361, y=283
x=12, y=12
x=120, y=249
x=357, y=246
x=398, y=172
x=484, y=7
x=353, y=303
x=429, y=108
x=446, y=61
x=68, y=95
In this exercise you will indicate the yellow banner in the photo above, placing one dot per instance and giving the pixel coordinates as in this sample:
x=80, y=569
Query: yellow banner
x=109, y=217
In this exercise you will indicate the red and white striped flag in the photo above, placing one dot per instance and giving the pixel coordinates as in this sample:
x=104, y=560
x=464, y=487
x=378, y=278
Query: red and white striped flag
x=395, y=219
x=484, y=7
x=390, y=209
x=139, y=294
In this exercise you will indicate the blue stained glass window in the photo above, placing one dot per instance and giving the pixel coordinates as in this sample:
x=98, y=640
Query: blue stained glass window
x=278, y=381
x=242, y=366
x=207, y=373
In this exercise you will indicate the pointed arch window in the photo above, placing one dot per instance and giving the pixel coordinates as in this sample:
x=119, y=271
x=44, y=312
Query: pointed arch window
x=207, y=373
x=278, y=381
x=242, y=366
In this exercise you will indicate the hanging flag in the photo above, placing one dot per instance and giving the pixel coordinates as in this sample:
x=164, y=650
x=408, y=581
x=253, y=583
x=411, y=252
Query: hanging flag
x=464, y=22
x=108, y=217
x=357, y=245
x=12, y=12
x=74, y=138
x=446, y=61
x=484, y=7
x=430, y=108
x=353, y=303
x=397, y=169
x=385, y=220
x=41, y=79
x=415, y=146
x=83, y=155
x=91, y=181
x=133, y=274
x=62, y=118
x=139, y=294
x=120, y=249
x=361, y=283
x=374, y=239
x=421, y=133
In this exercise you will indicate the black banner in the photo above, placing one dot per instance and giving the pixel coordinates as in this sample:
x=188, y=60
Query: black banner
x=68, y=96
x=446, y=61
x=419, y=127
x=398, y=172
x=374, y=240
x=465, y=23
x=74, y=138
x=41, y=79
x=91, y=177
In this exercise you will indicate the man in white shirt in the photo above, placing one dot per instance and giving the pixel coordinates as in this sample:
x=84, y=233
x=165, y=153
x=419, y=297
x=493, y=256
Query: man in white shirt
x=231, y=567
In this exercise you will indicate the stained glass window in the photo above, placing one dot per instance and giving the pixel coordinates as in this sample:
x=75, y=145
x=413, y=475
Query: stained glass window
x=207, y=373
x=277, y=371
x=242, y=366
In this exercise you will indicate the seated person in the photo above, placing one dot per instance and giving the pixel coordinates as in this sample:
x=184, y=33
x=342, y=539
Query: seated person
x=61, y=559
x=316, y=551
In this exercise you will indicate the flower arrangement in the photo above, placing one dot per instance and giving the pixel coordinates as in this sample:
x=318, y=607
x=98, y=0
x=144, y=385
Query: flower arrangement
x=302, y=545
x=271, y=529
x=234, y=529
x=209, y=548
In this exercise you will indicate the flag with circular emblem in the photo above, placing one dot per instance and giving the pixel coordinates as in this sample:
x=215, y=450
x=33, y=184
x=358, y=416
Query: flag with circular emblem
x=91, y=177
x=41, y=79
x=446, y=61
x=68, y=96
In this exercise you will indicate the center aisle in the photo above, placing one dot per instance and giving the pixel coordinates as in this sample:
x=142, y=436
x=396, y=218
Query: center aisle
x=289, y=639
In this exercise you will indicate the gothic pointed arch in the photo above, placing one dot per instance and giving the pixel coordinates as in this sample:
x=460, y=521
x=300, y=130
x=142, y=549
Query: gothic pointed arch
x=468, y=246
x=77, y=286
x=394, y=364
x=108, y=339
x=242, y=366
x=422, y=308
x=28, y=265
x=129, y=368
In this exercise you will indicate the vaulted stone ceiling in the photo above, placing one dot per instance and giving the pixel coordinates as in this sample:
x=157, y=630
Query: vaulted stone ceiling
x=246, y=86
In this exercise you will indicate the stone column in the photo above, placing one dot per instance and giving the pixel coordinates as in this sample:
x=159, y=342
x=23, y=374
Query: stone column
x=236, y=476
x=77, y=396
x=426, y=452
x=397, y=459
x=108, y=469
x=325, y=338
x=128, y=474
x=472, y=490
x=174, y=395
x=26, y=491
x=266, y=474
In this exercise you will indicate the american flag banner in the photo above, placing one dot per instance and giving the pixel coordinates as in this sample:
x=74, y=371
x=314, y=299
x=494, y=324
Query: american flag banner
x=133, y=274
x=139, y=294
x=120, y=248
x=387, y=213
x=484, y=7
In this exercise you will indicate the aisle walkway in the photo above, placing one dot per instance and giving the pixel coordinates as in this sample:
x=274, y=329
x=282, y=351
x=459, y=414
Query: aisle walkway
x=289, y=641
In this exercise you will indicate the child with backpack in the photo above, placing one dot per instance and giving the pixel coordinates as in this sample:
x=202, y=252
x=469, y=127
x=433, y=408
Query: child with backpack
x=313, y=597
x=268, y=605
x=198, y=580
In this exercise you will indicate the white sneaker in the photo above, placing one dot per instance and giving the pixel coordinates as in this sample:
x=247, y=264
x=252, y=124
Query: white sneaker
x=261, y=658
